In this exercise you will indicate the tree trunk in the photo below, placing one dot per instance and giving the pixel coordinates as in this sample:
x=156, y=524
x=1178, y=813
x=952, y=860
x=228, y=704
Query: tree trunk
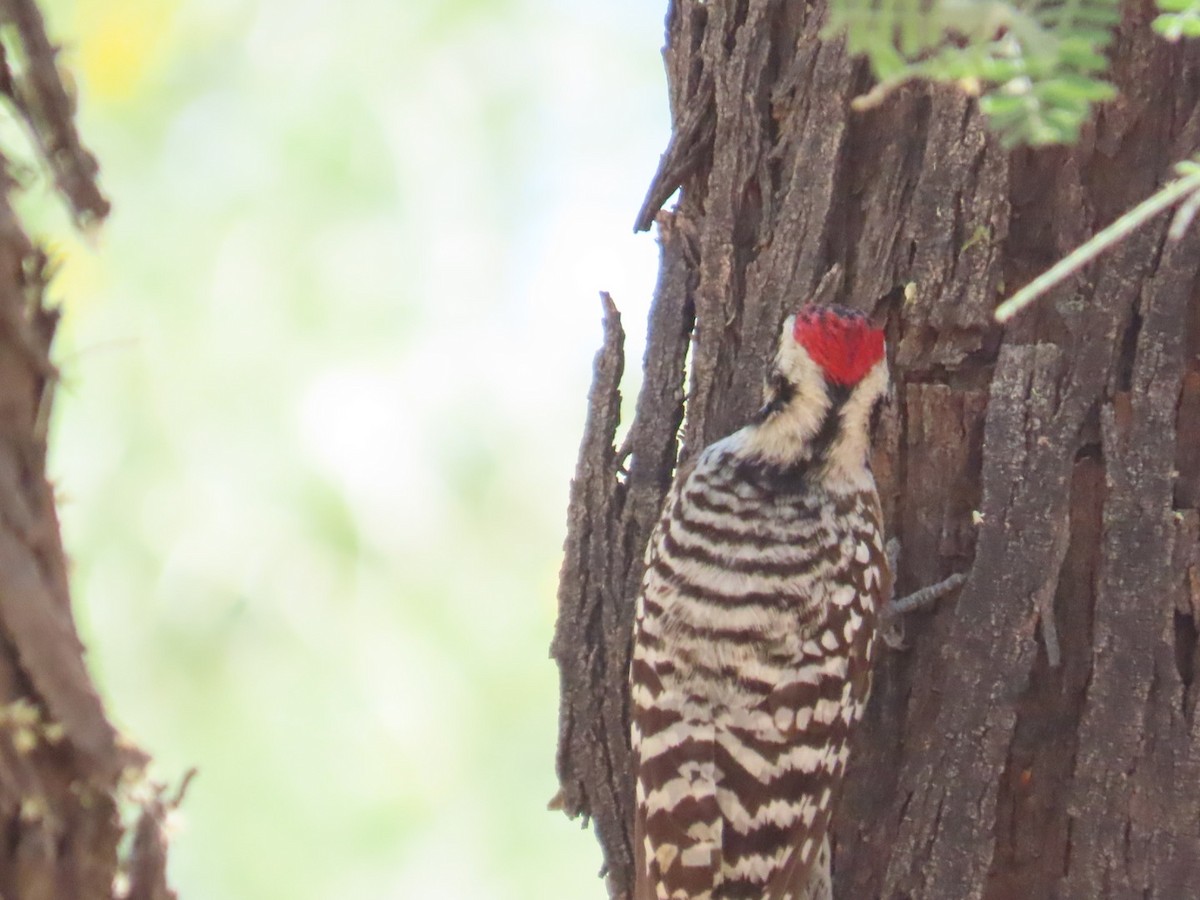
x=1038, y=737
x=64, y=770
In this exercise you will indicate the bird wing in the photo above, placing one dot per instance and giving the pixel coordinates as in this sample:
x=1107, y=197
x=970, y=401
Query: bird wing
x=677, y=824
x=782, y=761
x=735, y=800
x=822, y=742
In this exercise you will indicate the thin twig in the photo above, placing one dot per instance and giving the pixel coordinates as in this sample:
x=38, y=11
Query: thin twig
x=1165, y=198
x=926, y=596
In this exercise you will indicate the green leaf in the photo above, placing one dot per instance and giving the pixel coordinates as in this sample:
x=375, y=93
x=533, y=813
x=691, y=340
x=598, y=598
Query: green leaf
x=1173, y=27
x=1037, y=62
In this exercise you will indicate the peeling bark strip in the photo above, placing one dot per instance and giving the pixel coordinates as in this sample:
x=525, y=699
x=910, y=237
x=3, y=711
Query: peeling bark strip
x=590, y=642
x=1039, y=738
x=43, y=101
x=1135, y=800
x=609, y=521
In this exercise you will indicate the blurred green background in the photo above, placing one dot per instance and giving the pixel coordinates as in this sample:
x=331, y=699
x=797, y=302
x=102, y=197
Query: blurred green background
x=324, y=379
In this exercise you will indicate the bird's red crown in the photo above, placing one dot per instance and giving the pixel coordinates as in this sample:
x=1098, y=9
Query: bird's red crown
x=841, y=341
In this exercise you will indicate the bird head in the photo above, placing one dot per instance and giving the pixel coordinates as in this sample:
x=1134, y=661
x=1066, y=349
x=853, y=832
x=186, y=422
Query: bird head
x=824, y=391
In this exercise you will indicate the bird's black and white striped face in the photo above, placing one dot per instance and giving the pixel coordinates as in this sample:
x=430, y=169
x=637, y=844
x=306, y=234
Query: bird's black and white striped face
x=826, y=385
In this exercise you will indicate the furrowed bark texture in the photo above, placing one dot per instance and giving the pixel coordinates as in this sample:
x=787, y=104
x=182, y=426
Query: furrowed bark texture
x=1038, y=738
x=63, y=765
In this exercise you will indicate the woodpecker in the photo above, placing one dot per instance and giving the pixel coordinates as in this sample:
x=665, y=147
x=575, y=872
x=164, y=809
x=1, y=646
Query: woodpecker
x=756, y=628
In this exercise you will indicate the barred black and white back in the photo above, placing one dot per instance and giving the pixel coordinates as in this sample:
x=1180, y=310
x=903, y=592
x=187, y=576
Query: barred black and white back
x=756, y=630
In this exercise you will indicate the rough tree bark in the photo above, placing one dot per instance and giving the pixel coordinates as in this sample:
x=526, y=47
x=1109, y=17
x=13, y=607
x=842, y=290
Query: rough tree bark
x=1039, y=736
x=66, y=776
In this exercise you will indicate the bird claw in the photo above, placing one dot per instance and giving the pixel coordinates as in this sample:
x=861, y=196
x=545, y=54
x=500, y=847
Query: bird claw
x=892, y=632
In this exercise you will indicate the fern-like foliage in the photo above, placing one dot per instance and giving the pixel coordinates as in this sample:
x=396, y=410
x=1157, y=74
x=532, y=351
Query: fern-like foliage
x=1036, y=65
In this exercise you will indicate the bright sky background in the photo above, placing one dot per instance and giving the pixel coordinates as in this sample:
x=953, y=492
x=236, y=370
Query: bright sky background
x=324, y=380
